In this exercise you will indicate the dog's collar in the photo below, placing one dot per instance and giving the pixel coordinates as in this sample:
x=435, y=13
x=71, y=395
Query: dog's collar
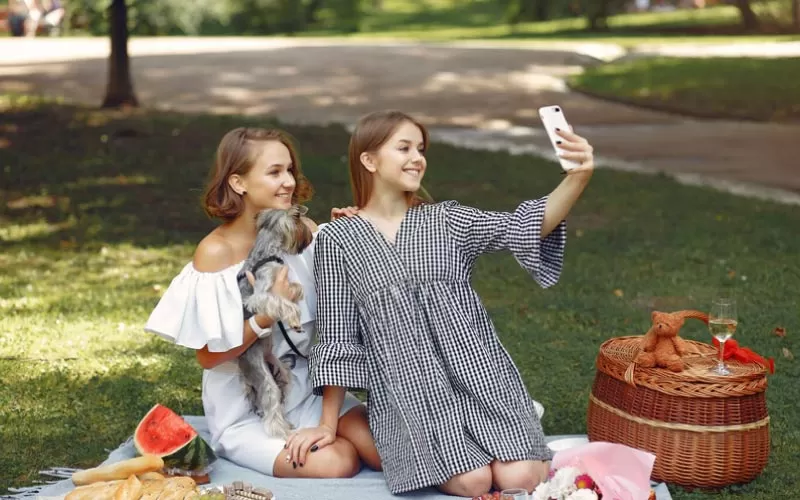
x=266, y=260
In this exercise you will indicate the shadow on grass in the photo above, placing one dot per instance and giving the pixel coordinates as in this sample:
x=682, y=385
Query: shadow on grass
x=111, y=178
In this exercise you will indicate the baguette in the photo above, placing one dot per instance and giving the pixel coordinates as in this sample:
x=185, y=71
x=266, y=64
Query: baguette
x=150, y=476
x=176, y=488
x=151, y=489
x=119, y=470
x=131, y=489
x=97, y=491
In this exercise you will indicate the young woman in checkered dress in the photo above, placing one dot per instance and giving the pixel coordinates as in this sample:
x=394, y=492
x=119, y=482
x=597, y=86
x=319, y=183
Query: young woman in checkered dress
x=396, y=315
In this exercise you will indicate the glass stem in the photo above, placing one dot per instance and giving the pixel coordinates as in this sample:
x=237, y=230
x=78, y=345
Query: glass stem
x=721, y=363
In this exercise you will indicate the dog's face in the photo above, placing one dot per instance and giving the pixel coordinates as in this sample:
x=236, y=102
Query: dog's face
x=287, y=226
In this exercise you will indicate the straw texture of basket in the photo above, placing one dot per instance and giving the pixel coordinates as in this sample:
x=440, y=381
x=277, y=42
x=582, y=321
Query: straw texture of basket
x=706, y=430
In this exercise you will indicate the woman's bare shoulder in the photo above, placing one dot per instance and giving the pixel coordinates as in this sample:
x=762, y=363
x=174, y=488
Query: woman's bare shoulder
x=213, y=254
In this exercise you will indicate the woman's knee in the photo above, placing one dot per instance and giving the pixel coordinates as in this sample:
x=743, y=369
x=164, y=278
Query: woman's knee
x=469, y=484
x=340, y=459
x=519, y=474
x=336, y=461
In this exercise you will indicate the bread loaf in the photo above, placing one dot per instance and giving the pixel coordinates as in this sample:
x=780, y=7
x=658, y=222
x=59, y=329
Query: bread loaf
x=149, y=476
x=130, y=489
x=98, y=491
x=119, y=470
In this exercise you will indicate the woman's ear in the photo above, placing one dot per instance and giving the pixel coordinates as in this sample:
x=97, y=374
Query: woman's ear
x=368, y=161
x=236, y=183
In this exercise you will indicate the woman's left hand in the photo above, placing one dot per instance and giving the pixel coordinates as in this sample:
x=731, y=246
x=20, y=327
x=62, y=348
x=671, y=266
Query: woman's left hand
x=301, y=442
x=337, y=213
x=577, y=149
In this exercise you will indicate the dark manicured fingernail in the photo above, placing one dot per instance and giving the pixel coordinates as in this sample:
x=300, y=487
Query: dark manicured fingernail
x=294, y=465
x=558, y=142
x=563, y=172
x=301, y=465
x=558, y=129
x=314, y=448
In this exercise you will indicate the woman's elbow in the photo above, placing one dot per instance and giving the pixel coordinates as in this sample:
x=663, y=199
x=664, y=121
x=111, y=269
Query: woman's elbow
x=206, y=359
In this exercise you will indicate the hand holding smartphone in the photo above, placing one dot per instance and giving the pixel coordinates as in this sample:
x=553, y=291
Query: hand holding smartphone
x=553, y=118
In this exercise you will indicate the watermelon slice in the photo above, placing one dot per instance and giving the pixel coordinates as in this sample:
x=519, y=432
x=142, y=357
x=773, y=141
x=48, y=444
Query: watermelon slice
x=163, y=433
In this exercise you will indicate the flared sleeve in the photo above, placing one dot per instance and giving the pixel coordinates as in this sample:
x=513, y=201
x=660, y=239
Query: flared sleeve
x=199, y=309
x=339, y=356
x=477, y=232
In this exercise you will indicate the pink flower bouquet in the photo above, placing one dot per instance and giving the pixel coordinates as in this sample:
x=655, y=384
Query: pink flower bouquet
x=595, y=471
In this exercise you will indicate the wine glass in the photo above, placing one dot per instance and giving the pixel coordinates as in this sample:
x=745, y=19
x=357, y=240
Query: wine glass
x=514, y=494
x=722, y=325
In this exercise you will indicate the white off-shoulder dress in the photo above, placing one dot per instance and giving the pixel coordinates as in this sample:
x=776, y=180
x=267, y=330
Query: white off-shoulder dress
x=205, y=308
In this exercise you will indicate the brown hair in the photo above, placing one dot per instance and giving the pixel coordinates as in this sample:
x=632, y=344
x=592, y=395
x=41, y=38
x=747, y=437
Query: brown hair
x=236, y=154
x=372, y=132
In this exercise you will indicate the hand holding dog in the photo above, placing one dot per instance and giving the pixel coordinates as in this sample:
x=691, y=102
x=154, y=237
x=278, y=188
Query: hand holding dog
x=281, y=286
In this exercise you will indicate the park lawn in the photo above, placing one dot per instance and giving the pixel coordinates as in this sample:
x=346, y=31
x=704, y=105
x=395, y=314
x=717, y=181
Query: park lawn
x=99, y=210
x=738, y=88
x=449, y=20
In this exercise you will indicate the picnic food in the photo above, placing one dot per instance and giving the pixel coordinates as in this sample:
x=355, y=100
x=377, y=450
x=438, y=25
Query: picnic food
x=130, y=489
x=163, y=433
x=661, y=345
x=176, y=488
x=118, y=470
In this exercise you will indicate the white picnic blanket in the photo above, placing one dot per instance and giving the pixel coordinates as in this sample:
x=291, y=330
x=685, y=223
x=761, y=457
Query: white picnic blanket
x=368, y=484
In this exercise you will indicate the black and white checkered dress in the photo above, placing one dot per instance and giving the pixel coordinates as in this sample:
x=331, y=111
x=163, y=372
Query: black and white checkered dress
x=402, y=321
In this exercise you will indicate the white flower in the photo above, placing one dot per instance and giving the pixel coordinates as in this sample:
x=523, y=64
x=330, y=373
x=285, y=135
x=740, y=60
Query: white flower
x=542, y=492
x=564, y=480
x=583, y=494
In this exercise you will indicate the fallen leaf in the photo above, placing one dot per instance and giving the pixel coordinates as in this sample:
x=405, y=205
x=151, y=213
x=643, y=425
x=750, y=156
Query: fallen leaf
x=618, y=292
x=579, y=232
x=731, y=274
x=779, y=331
x=787, y=353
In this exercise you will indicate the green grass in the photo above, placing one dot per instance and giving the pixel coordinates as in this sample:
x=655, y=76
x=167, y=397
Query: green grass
x=448, y=20
x=98, y=211
x=746, y=88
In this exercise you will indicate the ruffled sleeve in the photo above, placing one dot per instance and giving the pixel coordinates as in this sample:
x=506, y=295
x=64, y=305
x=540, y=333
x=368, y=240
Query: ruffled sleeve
x=477, y=232
x=200, y=309
x=339, y=356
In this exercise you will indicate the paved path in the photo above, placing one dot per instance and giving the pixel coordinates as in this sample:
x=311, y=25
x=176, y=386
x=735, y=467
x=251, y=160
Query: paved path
x=475, y=95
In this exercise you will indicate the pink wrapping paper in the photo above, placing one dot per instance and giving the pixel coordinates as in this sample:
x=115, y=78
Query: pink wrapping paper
x=621, y=472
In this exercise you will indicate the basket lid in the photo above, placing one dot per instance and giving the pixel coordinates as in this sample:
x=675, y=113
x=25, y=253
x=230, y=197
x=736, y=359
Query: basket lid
x=696, y=380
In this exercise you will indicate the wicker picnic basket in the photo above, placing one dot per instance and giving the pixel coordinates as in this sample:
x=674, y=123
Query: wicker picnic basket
x=706, y=431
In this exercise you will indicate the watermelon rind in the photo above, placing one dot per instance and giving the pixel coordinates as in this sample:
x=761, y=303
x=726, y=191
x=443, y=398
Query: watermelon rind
x=194, y=456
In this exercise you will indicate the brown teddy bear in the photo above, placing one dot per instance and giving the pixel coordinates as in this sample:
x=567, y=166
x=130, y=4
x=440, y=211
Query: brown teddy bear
x=661, y=346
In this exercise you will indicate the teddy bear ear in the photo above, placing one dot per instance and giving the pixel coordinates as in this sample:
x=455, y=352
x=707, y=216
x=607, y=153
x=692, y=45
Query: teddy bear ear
x=653, y=315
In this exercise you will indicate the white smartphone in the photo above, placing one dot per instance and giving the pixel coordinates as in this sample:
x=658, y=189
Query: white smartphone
x=553, y=118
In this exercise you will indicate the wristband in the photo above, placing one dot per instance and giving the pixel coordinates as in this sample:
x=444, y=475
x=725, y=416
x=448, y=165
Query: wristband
x=260, y=332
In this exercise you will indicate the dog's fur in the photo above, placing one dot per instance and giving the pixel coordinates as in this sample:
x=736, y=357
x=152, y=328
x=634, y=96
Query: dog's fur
x=266, y=379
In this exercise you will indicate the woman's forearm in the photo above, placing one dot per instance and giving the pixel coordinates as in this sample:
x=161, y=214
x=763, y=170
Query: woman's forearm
x=332, y=400
x=561, y=201
x=209, y=360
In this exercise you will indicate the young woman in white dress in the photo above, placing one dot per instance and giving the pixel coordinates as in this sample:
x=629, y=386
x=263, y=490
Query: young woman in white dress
x=202, y=309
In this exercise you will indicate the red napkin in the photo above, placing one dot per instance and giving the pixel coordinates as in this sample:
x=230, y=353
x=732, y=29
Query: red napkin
x=743, y=354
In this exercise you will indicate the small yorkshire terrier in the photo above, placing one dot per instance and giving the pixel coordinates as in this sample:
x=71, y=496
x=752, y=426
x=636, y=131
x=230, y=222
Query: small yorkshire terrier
x=266, y=378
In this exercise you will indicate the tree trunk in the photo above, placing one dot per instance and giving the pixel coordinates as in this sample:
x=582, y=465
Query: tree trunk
x=119, y=91
x=312, y=10
x=796, y=15
x=597, y=15
x=749, y=19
